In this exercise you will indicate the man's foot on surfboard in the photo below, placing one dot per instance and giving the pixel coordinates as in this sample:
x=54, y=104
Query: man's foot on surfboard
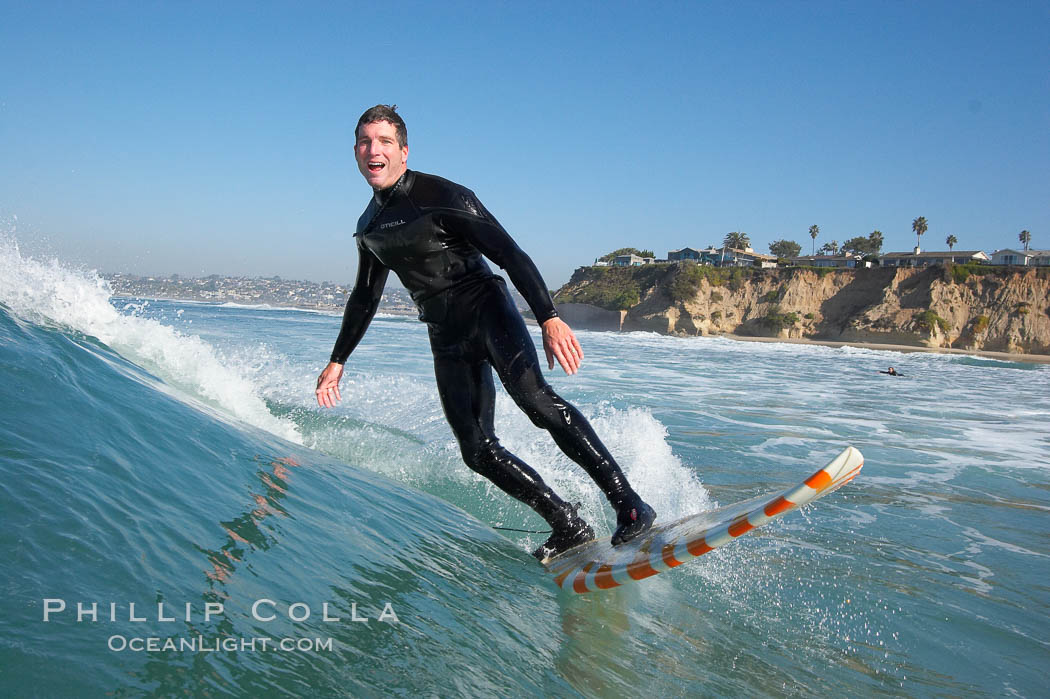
x=635, y=518
x=567, y=535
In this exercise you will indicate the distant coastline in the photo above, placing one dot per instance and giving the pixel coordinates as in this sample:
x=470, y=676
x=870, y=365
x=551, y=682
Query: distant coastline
x=259, y=291
x=252, y=291
x=331, y=298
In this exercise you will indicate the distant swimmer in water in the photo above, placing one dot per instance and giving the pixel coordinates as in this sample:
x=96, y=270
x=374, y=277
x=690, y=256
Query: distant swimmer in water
x=433, y=233
x=891, y=371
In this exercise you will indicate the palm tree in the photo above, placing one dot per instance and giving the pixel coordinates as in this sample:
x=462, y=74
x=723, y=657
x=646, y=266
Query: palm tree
x=951, y=240
x=1025, y=237
x=813, y=231
x=919, y=226
x=737, y=240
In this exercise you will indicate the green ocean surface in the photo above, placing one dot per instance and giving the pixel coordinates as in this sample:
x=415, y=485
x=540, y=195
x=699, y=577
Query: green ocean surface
x=180, y=518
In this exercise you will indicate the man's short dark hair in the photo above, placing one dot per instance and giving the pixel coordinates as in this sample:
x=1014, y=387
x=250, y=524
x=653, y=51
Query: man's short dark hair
x=383, y=112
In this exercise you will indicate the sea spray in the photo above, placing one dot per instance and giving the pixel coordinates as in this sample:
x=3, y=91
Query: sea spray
x=51, y=293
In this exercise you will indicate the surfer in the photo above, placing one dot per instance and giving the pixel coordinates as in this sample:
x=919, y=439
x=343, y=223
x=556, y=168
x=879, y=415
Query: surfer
x=891, y=371
x=433, y=233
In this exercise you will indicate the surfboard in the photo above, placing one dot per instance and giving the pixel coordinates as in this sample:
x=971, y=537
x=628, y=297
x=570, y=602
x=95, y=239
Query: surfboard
x=597, y=565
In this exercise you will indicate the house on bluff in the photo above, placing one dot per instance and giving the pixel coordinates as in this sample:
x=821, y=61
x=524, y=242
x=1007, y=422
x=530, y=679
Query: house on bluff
x=723, y=257
x=1027, y=258
x=918, y=258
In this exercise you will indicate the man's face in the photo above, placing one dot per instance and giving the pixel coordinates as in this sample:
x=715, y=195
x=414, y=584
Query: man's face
x=379, y=158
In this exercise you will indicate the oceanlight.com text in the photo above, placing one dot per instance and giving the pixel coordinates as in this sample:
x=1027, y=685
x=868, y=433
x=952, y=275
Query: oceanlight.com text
x=199, y=644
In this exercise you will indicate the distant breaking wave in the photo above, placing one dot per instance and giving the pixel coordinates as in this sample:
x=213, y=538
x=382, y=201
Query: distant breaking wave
x=47, y=292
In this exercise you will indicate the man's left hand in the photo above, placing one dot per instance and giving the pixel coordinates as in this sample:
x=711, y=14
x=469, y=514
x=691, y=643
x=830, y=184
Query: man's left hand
x=560, y=343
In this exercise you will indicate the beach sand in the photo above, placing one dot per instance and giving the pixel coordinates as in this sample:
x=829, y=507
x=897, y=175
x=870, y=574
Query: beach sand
x=1004, y=356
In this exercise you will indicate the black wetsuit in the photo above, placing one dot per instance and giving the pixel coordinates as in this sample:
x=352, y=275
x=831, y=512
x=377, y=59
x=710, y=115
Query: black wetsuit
x=432, y=233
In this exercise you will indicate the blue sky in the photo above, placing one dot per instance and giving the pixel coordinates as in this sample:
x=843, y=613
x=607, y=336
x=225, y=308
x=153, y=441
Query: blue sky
x=216, y=138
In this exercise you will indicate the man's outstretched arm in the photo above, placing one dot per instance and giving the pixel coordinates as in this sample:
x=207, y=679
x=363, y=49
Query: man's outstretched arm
x=361, y=307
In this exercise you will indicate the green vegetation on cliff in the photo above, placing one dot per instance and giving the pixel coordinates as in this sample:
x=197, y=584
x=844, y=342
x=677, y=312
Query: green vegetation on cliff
x=619, y=288
x=611, y=288
x=929, y=319
x=960, y=273
x=777, y=321
x=686, y=279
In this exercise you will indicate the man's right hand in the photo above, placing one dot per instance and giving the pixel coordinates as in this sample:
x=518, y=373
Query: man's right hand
x=559, y=342
x=328, y=385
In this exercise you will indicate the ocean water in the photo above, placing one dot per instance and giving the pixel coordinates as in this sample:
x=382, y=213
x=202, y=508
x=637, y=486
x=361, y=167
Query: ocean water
x=163, y=465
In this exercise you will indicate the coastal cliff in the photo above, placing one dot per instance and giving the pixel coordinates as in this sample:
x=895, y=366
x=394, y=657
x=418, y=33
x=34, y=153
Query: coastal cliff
x=964, y=307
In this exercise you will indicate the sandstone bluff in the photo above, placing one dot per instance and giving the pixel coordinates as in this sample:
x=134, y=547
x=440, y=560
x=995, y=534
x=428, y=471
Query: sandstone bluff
x=962, y=307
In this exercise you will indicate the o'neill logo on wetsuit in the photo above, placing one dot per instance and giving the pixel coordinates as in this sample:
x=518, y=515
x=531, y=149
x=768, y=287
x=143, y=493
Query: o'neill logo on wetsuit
x=392, y=224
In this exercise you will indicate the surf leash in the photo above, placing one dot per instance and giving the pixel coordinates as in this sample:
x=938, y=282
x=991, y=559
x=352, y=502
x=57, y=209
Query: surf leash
x=524, y=531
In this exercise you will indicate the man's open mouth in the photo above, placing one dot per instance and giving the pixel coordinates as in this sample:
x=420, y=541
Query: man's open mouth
x=375, y=166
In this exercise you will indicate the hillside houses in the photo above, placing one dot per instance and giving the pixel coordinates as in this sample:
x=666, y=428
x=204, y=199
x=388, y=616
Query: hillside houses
x=734, y=257
x=632, y=261
x=718, y=257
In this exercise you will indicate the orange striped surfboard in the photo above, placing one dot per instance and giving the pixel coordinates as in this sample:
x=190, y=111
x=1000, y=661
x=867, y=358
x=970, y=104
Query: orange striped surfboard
x=597, y=565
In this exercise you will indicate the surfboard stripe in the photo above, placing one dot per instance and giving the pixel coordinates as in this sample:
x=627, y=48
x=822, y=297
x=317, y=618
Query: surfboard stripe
x=668, y=556
x=604, y=579
x=781, y=504
x=699, y=547
x=588, y=579
x=740, y=526
x=819, y=480
x=579, y=584
x=656, y=560
x=640, y=569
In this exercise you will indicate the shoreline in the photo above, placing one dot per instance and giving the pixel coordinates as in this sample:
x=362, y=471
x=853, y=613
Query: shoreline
x=1002, y=356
